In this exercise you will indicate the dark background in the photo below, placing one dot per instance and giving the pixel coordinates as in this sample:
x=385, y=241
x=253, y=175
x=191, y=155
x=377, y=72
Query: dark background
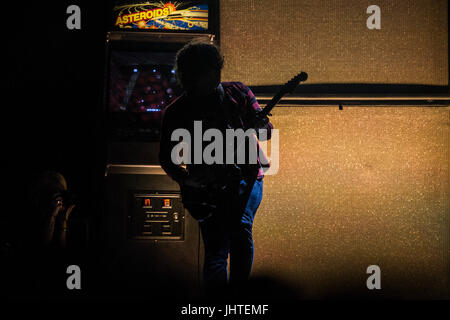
x=53, y=97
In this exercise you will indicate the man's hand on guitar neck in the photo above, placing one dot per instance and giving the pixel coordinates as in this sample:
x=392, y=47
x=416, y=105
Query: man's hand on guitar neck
x=258, y=121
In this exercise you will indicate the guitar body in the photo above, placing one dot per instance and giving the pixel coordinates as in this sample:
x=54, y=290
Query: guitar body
x=203, y=202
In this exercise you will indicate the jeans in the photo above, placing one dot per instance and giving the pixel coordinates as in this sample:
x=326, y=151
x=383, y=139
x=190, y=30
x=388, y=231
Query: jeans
x=230, y=232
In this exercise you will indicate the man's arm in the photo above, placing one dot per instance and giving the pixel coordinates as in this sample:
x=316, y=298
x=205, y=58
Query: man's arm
x=175, y=171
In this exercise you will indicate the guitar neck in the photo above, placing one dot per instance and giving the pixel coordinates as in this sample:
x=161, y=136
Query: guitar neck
x=288, y=87
x=272, y=103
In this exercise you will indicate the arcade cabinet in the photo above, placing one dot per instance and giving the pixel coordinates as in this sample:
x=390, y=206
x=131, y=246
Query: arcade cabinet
x=153, y=246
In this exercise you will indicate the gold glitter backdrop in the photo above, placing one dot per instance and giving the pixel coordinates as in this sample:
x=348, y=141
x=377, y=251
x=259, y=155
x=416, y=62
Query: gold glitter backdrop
x=265, y=42
x=357, y=187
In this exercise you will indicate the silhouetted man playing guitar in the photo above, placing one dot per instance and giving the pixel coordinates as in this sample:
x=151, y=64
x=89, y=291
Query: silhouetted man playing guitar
x=223, y=197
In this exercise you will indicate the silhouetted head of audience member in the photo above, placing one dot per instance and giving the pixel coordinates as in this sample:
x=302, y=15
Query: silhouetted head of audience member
x=48, y=190
x=49, y=210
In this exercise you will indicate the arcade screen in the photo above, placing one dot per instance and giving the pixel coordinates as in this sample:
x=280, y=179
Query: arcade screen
x=141, y=83
x=168, y=15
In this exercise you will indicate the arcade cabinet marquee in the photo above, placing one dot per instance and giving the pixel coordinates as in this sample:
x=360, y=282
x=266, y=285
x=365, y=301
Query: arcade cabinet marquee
x=173, y=15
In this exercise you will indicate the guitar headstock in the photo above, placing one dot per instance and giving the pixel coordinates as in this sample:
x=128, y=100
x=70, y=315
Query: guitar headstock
x=293, y=83
x=287, y=88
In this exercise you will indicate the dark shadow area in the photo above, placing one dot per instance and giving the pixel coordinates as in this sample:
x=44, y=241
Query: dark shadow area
x=265, y=288
x=44, y=235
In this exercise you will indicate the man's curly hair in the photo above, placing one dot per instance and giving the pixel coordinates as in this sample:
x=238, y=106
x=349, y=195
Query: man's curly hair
x=198, y=55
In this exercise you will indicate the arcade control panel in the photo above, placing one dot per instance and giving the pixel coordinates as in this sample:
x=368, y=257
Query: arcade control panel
x=156, y=216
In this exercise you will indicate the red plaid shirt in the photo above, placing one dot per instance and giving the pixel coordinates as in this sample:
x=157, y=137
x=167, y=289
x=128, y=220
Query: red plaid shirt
x=242, y=108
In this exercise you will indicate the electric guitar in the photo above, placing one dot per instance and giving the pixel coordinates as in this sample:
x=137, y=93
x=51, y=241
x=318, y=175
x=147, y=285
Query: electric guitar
x=204, y=201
